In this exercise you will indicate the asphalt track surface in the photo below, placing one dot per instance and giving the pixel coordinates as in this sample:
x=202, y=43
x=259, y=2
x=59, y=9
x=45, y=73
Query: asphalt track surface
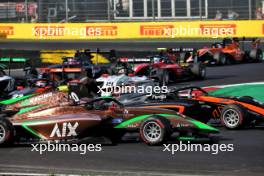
x=132, y=157
x=120, y=45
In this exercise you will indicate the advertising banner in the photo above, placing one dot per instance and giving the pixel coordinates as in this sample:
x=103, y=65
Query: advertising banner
x=133, y=30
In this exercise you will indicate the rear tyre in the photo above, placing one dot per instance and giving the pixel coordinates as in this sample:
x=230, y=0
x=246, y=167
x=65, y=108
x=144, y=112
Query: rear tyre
x=155, y=130
x=164, y=78
x=256, y=55
x=220, y=58
x=6, y=132
x=199, y=70
x=233, y=116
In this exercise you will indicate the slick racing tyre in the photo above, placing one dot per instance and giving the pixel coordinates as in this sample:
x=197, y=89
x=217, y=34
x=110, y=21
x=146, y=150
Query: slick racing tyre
x=256, y=55
x=199, y=70
x=6, y=132
x=164, y=78
x=233, y=116
x=220, y=58
x=155, y=130
x=161, y=75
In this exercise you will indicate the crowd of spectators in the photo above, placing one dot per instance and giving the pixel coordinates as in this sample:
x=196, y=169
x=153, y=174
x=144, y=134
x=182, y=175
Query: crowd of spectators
x=232, y=15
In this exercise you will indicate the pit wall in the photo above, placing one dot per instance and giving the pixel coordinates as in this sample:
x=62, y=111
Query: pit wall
x=132, y=30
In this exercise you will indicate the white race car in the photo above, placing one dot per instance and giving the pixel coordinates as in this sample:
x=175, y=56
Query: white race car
x=110, y=83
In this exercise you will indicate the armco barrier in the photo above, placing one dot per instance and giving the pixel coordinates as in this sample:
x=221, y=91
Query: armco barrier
x=135, y=30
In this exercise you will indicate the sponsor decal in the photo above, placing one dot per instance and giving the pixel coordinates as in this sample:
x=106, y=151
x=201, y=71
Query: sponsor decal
x=159, y=97
x=41, y=97
x=217, y=112
x=154, y=30
x=33, y=100
x=7, y=30
x=180, y=125
x=67, y=129
x=101, y=30
x=218, y=29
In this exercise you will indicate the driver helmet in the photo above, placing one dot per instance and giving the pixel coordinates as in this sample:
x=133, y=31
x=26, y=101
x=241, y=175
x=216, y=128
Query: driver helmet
x=41, y=83
x=121, y=71
x=156, y=59
x=219, y=45
x=7, y=83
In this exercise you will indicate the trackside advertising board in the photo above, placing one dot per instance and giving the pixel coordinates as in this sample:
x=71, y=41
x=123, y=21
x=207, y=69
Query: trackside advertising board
x=133, y=30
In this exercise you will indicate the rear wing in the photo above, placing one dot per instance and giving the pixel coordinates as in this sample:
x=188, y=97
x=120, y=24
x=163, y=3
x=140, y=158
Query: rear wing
x=60, y=70
x=13, y=60
x=67, y=61
x=65, y=70
x=176, y=50
x=135, y=60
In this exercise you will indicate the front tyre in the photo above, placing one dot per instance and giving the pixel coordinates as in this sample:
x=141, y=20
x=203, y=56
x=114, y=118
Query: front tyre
x=233, y=116
x=155, y=130
x=165, y=78
x=220, y=58
x=6, y=132
x=199, y=70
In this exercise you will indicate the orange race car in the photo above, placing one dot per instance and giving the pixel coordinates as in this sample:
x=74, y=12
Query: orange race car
x=230, y=51
x=195, y=102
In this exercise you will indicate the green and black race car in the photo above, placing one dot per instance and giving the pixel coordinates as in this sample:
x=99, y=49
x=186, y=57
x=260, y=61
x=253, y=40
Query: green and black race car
x=56, y=115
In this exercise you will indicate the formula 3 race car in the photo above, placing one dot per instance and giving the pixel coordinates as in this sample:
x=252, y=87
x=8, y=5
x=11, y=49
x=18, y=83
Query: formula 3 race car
x=230, y=51
x=55, y=115
x=121, y=75
x=80, y=63
x=165, y=70
x=233, y=112
x=13, y=80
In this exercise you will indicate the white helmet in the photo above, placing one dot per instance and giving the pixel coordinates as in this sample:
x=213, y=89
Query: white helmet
x=41, y=83
x=10, y=83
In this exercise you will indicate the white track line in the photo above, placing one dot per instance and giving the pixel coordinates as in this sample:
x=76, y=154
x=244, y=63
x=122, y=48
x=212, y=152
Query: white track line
x=240, y=84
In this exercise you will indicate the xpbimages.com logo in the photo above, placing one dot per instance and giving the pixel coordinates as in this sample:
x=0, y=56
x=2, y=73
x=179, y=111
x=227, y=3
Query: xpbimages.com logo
x=189, y=147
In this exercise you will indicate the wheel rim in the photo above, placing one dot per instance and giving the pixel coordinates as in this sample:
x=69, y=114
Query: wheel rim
x=223, y=60
x=152, y=131
x=165, y=79
x=203, y=72
x=2, y=133
x=231, y=118
x=259, y=56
